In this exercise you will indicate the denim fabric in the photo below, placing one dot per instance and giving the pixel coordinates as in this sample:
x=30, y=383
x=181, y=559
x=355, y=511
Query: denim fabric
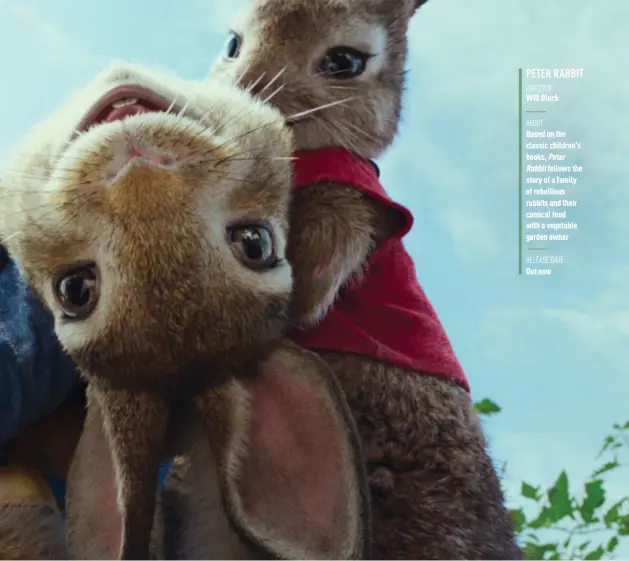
x=35, y=374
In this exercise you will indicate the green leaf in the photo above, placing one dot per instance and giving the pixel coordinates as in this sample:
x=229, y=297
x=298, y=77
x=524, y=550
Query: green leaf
x=626, y=425
x=543, y=519
x=594, y=498
x=535, y=551
x=612, y=544
x=487, y=407
x=609, y=440
x=559, y=499
x=531, y=551
x=518, y=518
x=613, y=514
x=595, y=553
x=530, y=492
x=609, y=466
x=547, y=548
x=584, y=545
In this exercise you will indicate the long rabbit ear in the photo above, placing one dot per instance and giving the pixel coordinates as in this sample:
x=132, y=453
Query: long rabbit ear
x=418, y=4
x=112, y=479
x=94, y=523
x=289, y=461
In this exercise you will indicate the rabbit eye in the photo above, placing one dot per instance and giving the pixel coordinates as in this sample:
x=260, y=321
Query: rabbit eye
x=76, y=290
x=254, y=246
x=232, y=45
x=343, y=63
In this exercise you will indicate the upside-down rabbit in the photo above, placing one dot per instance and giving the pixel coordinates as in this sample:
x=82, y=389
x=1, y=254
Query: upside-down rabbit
x=150, y=215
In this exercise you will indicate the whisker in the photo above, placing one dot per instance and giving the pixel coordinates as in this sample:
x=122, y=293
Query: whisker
x=273, y=80
x=240, y=136
x=90, y=195
x=7, y=192
x=342, y=135
x=361, y=131
x=254, y=84
x=238, y=117
x=333, y=87
x=171, y=106
x=320, y=74
x=336, y=131
x=273, y=94
x=319, y=108
x=242, y=75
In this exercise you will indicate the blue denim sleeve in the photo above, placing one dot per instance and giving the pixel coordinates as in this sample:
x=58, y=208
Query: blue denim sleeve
x=35, y=374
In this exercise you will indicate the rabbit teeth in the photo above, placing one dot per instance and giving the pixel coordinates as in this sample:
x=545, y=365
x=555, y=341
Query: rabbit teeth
x=124, y=102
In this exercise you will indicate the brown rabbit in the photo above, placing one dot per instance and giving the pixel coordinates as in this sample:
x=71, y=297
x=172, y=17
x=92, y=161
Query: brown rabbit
x=335, y=69
x=155, y=233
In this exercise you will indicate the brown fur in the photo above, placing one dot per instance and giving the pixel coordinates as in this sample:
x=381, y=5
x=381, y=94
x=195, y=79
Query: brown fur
x=32, y=532
x=292, y=35
x=31, y=525
x=181, y=322
x=333, y=230
x=435, y=494
x=434, y=489
x=135, y=429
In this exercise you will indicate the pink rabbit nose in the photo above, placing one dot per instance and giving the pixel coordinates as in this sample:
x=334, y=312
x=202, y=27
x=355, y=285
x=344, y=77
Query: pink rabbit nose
x=125, y=156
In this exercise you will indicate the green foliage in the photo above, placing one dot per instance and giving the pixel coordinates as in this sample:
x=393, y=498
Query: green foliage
x=487, y=407
x=563, y=523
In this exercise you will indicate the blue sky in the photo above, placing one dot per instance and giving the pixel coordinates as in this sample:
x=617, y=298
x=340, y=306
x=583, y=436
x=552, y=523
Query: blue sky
x=552, y=351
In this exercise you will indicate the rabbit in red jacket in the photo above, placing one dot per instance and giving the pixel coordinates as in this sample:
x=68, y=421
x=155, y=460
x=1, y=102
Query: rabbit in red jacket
x=335, y=69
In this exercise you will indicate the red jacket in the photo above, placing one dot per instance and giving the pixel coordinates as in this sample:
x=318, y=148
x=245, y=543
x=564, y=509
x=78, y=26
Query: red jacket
x=386, y=315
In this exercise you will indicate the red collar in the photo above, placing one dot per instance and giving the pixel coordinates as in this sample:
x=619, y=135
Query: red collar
x=343, y=166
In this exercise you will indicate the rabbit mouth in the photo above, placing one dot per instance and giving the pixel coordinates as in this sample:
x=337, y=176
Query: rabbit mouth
x=123, y=101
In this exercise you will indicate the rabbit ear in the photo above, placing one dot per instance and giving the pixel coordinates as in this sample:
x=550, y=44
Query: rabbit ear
x=94, y=523
x=418, y=4
x=112, y=479
x=290, y=466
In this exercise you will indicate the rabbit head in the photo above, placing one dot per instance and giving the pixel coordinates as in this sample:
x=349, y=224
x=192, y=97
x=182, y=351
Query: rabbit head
x=150, y=216
x=334, y=68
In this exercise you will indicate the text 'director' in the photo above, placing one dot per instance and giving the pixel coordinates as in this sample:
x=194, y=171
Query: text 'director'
x=549, y=169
